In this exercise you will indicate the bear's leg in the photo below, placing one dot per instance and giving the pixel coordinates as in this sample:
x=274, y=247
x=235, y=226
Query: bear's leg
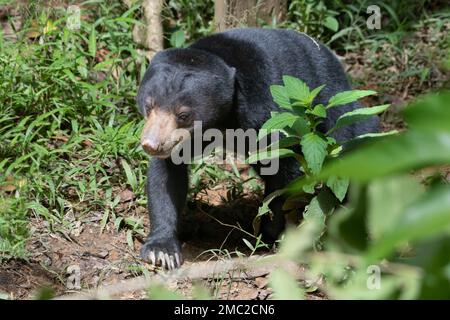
x=167, y=186
x=273, y=225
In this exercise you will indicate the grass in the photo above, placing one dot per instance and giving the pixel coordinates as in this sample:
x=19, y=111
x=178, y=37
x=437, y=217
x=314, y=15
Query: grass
x=69, y=125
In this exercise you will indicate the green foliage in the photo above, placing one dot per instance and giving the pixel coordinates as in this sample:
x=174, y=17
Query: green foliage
x=313, y=17
x=68, y=121
x=300, y=128
x=185, y=20
x=13, y=228
x=390, y=240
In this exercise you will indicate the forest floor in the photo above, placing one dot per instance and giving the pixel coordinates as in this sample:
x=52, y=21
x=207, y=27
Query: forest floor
x=106, y=258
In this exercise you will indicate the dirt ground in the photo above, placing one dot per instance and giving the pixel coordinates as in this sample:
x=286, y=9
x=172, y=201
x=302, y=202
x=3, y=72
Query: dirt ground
x=105, y=258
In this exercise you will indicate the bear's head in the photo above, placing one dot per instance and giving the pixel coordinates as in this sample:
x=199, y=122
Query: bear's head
x=182, y=87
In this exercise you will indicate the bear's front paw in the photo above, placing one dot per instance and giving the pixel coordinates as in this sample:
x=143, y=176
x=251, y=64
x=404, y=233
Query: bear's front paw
x=162, y=252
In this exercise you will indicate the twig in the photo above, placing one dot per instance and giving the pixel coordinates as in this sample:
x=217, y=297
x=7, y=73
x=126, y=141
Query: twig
x=239, y=268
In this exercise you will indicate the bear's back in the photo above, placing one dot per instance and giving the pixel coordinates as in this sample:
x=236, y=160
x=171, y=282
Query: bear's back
x=262, y=56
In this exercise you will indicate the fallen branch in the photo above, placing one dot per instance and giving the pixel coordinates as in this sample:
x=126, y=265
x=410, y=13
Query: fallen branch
x=236, y=269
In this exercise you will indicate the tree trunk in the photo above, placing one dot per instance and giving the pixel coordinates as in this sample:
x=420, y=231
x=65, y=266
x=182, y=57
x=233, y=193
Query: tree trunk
x=151, y=36
x=240, y=13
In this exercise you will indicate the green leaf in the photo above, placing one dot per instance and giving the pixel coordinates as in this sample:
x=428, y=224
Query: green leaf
x=248, y=244
x=387, y=199
x=319, y=207
x=331, y=23
x=339, y=186
x=314, y=149
x=177, y=39
x=310, y=187
x=280, y=96
x=285, y=286
x=430, y=113
x=131, y=177
x=357, y=115
x=348, y=97
x=319, y=111
x=301, y=126
x=92, y=46
x=296, y=88
x=313, y=211
x=280, y=121
x=270, y=154
x=283, y=143
x=394, y=154
x=314, y=93
x=264, y=208
x=427, y=217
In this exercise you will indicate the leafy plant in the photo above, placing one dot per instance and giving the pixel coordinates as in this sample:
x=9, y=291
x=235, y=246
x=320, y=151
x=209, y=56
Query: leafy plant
x=299, y=125
x=313, y=17
x=391, y=240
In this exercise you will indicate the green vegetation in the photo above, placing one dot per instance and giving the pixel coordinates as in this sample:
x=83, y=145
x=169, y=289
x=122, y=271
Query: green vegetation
x=391, y=240
x=299, y=126
x=69, y=126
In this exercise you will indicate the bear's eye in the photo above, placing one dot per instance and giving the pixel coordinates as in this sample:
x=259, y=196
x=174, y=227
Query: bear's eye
x=149, y=105
x=183, y=116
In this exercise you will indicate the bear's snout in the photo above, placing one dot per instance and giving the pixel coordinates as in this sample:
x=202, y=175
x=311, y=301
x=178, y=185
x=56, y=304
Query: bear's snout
x=157, y=136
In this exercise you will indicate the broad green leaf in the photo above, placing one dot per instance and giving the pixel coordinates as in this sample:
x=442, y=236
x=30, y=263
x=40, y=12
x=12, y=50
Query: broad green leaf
x=313, y=212
x=430, y=113
x=319, y=207
x=280, y=121
x=280, y=96
x=301, y=126
x=428, y=216
x=339, y=186
x=357, y=115
x=270, y=154
x=348, y=97
x=314, y=149
x=394, y=154
x=331, y=23
x=387, y=199
x=285, y=286
x=296, y=88
x=177, y=39
x=319, y=111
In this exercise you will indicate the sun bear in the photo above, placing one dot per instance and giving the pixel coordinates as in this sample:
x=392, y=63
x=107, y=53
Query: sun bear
x=223, y=80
